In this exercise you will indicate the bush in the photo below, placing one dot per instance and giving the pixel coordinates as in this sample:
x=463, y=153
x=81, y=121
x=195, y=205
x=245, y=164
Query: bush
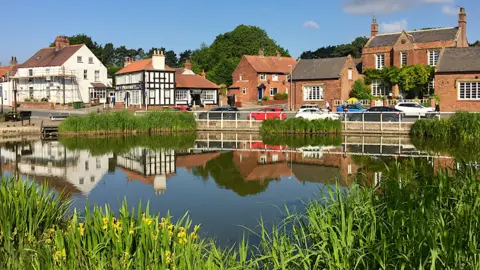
x=360, y=90
x=27, y=100
x=279, y=96
x=461, y=126
x=265, y=98
x=301, y=126
x=44, y=100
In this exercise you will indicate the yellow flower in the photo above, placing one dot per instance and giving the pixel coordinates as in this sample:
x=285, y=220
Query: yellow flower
x=105, y=227
x=193, y=235
x=163, y=220
x=48, y=241
x=105, y=220
x=64, y=253
x=181, y=234
x=170, y=234
x=82, y=231
x=168, y=259
x=131, y=232
x=182, y=229
x=80, y=225
x=170, y=227
x=114, y=219
x=52, y=230
x=162, y=225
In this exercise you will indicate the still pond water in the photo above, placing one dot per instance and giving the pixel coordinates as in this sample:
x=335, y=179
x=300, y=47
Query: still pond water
x=224, y=181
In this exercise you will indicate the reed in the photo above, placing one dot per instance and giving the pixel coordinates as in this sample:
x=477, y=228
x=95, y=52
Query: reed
x=461, y=126
x=301, y=126
x=125, y=122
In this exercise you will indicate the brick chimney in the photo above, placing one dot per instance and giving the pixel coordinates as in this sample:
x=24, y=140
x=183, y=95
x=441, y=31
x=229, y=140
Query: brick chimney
x=374, y=28
x=13, y=61
x=277, y=53
x=188, y=65
x=203, y=73
x=261, y=53
x=462, y=27
x=158, y=60
x=127, y=62
x=61, y=42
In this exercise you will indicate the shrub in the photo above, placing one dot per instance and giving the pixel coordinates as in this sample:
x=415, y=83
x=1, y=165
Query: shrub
x=461, y=126
x=27, y=100
x=360, y=90
x=44, y=100
x=280, y=96
x=265, y=98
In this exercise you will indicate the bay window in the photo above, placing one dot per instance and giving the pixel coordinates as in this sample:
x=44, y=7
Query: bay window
x=379, y=88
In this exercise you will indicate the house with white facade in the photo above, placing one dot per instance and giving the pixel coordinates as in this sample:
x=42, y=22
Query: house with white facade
x=61, y=74
x=6, y=82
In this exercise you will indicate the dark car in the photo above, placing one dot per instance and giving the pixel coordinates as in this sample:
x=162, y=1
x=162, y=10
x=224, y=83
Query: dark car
x=225, y=113
x=388, y=114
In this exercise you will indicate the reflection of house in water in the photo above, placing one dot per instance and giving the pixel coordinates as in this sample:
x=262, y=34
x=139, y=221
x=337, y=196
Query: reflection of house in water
x=191, y=161
x=50, y=162
x=152, y=167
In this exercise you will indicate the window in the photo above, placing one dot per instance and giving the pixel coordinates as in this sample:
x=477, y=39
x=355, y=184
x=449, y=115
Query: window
x=274, y=77
x=47, y=71
x=135, y=97
x=273, y=91
x=313, y=93
x=90, y=60
x=431, y=86
x=469, y=90
x=30, y=92
x=97, y=93
x=98, y=163
x=79, y=59
x=92, y=179
x=244, y=90
x=97, y=75
x=181, y=95
x=379, y=61
x=433, y=58
x=379, y=88
x=350, y=74
x=263, y=77
x=85, y=74
x=86, y=166
x=208, y=94
x=81, y=181
x=403, y=59
x=275, y=158
x=30, y=72
x=240, y=77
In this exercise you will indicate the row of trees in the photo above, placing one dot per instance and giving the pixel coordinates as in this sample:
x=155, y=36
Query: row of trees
x=354, y=49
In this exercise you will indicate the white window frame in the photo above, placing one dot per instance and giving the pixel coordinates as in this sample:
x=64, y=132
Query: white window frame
x=350, y=74
x=90, y=60
x=433, y=56
x=244, y=90
x=472, y=88
x=272, y=93
x=275, y=77
x=379, y=61
x=431, y=86
x=403, y=59
x=97, y=75
x=313, y=92
x=208, y=95
x=98, y=93
x=181, y=95
x=135, y=96
x=263, y=77
x=380, y=89
x=286, y=90
x=79, y=59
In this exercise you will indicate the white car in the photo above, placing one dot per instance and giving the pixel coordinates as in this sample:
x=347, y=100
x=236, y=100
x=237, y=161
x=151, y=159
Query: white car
x=313, y=113
x=413, y=109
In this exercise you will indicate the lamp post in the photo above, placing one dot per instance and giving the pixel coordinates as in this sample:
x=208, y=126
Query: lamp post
x=290, y=99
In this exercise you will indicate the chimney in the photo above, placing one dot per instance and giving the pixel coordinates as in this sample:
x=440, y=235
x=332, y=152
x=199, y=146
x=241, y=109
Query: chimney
x=203, y=73
x=158, y=60
x=61, y=42
x=374, y=28
x=261, y=53
x=127, y=62
x=13, y=61
x=462, y=27
x=277, y=53
x=188, y=65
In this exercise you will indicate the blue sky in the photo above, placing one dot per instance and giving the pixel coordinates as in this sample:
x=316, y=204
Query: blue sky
x=180, y=25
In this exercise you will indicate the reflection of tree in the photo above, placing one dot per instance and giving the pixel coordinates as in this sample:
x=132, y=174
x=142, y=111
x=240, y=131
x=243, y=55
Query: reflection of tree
x=226, y=175
x=468, y=151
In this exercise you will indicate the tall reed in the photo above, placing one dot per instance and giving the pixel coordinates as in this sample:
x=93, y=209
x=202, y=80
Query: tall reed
x=301, y=126
x=460, y=126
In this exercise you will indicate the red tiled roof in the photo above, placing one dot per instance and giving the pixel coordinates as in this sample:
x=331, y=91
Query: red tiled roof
x=271, y=64
x=192, y=80
x=144, y=64
x=98, y=85
x=48, y=57
x=4, y=70
x=190, y=161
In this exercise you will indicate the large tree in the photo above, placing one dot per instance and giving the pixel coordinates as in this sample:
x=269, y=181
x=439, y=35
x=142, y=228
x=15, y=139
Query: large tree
x=354, y=49
x=223, y=55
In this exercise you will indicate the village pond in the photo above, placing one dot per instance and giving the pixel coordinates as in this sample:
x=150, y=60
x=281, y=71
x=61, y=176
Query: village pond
x=225, y=182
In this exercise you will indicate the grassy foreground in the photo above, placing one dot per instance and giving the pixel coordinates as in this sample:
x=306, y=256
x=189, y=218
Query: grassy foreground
x=301, y=126
x=125, y=122
x=461, y=126
x=414, y=219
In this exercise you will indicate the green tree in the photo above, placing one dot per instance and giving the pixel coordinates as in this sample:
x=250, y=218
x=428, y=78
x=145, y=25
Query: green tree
x=223, y=55
x=187, y=54
x=84, y=39
x=108, y=54
x=354, y=49
x=476, y=43
x=360, y=90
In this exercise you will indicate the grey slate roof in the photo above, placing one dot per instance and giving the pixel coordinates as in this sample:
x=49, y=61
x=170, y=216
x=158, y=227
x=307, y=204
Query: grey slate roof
x=316, y=69
x=460, y=60
x=417, y=36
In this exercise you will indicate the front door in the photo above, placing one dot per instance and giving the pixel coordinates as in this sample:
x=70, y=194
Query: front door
x=260, y=93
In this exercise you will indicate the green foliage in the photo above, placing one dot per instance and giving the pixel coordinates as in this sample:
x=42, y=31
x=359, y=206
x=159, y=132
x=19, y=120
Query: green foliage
x=125, y=122
x=436, y=97
x=280, y=96
x=461, y=126
x=301, y=141
x=221, y=58
x=360, y=90
x=265, y=98
x=301, y=126
x=354, y=49
x=476, y=43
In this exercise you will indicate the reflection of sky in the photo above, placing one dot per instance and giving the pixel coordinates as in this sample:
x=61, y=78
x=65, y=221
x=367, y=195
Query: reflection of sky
x=219, y=211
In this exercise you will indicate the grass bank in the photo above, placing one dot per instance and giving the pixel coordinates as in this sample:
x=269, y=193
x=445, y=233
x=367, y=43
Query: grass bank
x=125, y=122
x=301, y=126
x=414, y=218
x=461, y=126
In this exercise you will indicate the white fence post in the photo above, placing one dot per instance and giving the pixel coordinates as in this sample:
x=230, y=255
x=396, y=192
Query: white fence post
x=221, y=120
x=363, y=121
x=208, y=119
x=345, y=120
x=236, y=120
x=381, y=121
x=399, y=122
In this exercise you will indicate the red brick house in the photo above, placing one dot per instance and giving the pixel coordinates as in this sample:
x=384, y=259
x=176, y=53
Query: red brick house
x=257, y=76
x=457, y=79
x=410, y=48
x=316, y=81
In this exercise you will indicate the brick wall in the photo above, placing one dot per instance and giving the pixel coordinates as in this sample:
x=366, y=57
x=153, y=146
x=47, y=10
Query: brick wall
x=346, y=84
x=446, y=89
x=332, y=90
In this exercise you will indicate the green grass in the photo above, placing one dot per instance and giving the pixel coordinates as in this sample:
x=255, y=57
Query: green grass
x=125, y=122
x=461, y=126
x=415, y=218
x=301, y=126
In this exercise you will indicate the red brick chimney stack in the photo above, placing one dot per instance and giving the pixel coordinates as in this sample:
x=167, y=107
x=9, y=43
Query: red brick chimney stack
x=261, y=53
x=188, y=65
x=61, y=42
x=277, y=53
x=13, y=61
x=374, y=28
x=127, y=62
x=203, y=73
x=462, y=26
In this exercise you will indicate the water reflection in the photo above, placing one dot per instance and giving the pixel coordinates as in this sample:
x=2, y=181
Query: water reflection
x=223, y=180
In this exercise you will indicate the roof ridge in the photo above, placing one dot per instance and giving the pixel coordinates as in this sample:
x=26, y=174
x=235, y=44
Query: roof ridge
x=338, y=57
x=415, y=31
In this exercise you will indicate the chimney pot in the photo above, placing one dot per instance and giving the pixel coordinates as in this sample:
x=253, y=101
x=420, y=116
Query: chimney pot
x=203, y=73
x=277, y=53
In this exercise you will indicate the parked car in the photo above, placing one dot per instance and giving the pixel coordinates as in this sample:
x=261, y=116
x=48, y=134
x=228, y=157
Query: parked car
x=309, y=106
x=267, y=113
x=181, y=108
x=351, y=108
x=228, y=113
x=314, y=113
x=414, y=109
x=373, y=114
